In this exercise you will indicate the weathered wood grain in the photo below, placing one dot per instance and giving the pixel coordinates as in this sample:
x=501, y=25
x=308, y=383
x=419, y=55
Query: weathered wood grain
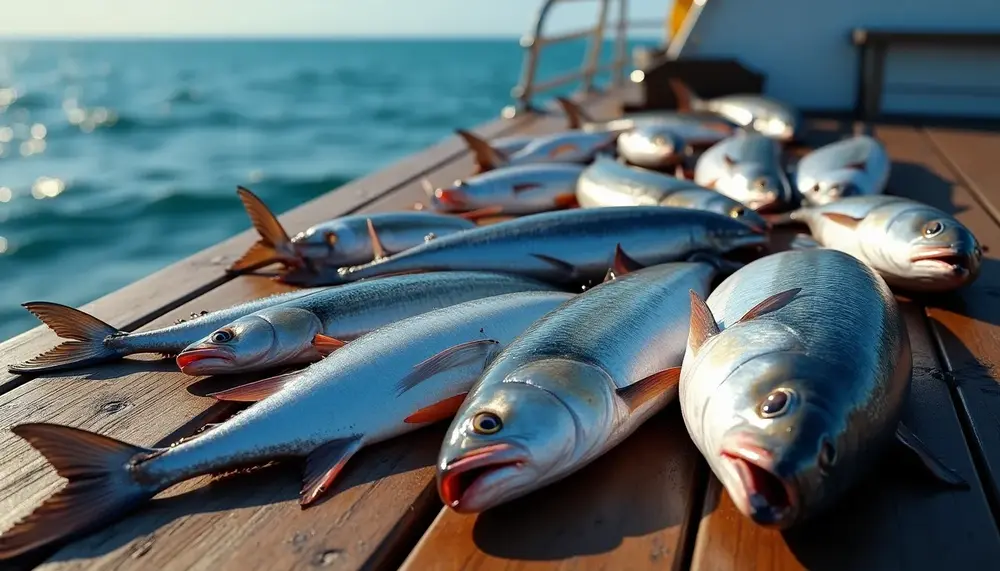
x=628, y=510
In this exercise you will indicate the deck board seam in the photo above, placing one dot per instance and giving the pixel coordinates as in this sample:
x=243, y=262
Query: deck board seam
x=977, y=194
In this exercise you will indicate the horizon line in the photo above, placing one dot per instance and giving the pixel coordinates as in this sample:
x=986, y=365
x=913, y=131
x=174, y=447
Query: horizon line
x=279, y=36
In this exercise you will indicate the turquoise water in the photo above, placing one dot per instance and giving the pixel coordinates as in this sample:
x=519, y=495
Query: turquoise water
x=119, y=158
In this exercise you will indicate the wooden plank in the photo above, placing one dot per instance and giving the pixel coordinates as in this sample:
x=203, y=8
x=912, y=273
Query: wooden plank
x=891, y=521
x=130, y=402
x=966, y=322
x=629, y=509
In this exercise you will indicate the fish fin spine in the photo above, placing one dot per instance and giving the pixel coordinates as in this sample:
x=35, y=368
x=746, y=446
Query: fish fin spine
x=441, y=410
x=455, y=356
x=933, y=466
x=323, y=465
x=257, y=390
x=87, y=339
x=644, y=390
x=100, y=486
x=377, y=248
x=772, y=303
x=703, y=324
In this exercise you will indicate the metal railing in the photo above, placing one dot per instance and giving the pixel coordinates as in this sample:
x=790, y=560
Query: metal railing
x=529, y=86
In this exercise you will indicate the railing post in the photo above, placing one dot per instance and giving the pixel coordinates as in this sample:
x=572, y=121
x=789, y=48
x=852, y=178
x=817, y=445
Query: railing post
x=524, y=90
x=621, y=45
x=596, y=45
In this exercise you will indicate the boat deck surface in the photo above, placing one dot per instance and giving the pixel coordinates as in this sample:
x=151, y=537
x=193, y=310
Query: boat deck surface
x=648, y=504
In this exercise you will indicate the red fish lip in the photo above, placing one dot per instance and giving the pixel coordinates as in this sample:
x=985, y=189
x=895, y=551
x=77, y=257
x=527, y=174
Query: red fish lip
x=192, y=356
x=450, y=197
x=767, y=499
x=463, y=474
x=944, y=255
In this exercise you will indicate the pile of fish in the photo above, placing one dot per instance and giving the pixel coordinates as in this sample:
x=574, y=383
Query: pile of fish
x=615, y=286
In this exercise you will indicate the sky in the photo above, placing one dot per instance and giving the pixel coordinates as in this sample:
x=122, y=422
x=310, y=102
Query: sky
x=297, y=17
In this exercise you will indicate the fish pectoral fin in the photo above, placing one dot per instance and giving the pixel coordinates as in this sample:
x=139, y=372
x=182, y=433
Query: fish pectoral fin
x=467, y=353
x=642, y=391
x=325, y=344
x=703, y=324
x=932, y=465
x=322, y=466
x=441, y=410
x=772, y=303
x=494, y=210
x=257, y=390
x=842, y=219
x=621, y=264
x=562, y=266
x=486, y=156
x=377, y=248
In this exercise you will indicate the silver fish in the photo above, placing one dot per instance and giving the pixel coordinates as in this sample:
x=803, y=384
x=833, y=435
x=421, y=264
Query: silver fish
x=574, y=385
x=579, y=119
x=759, y=113
x=308, y=328
x=91, y=341
x=911, y=245
x=853, y=167
x=570, y=246
x=662, y=146
x=607, y=182
x=792, y=389
x=390, y=382
x=523, y=189
x=343, y=241
x=566, y=147
x=746, y=167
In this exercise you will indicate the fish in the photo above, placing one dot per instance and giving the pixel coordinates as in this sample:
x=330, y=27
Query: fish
x=567, y=247
x=663, y=146
x=90, y=341
x=346, y=240
x=746, y=167
x=566, y=147
x=856, y=166
x=913, y=246
x=308, y=328
x=606, y=182
x=579, y=119
x=574, y=385
x=523, y=189
x=793, y=389
x=759, y=113
x=392, y=381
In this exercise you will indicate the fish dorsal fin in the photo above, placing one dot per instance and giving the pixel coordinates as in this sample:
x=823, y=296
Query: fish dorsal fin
x=486, y=156
x=523, y=186
x=685, y=96
x=565, y=267
x=842, y=219
x=478, y=350
x=325, y=344
x=377, y=248
x=934, y=467
x=441, y=410
x=322, y=466
x=257, y=390
x=484, y=212
x=642, y=391
x=575, y=115
x=703, y=325
x=858, y=166
x=772, y=303
x=622, y=264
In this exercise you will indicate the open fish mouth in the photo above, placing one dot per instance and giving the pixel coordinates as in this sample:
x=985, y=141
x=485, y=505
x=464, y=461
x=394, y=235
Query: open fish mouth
x=767, y=499
x=468, y=476
x=194, y=361
x=945, y=258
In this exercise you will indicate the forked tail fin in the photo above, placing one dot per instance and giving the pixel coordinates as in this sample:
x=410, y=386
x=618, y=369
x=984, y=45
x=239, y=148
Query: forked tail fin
x=687, y=99
x=274, y=245
x=576, y=117
x=100, y=488
x=486, y=156
x=86, y=335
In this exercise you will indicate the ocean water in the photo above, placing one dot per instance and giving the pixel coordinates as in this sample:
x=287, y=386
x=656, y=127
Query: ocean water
x=118, y=158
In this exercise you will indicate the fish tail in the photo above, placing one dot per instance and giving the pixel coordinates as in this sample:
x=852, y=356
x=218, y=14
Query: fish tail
x=687, y=99
x=576, y=117
x=274, y=245
x=100, y=488
x=86, y=336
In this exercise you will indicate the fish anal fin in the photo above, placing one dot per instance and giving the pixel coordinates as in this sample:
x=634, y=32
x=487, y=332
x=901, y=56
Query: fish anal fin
x=257, y=390
x=467, y=353
x=703, y=324
x=842, y=219
x=564, y=267
x=438, y=411
x=772, y=303
x=323, y=465
x=933, y=466
x=377, y=248
x=642, y=391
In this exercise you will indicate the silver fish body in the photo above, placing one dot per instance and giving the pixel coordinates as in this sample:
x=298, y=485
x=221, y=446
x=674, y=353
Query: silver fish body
x=286, y=334
x=761, y=114
x=665, y=119
x=747, y=168
x=557, y=397
x=566, y=147
x=524, y=189
x=856, y=166
x=571, y=246
x=911, y=245
x=660, y=146
x=793, y=406
x=607, y=182
x=512, y=144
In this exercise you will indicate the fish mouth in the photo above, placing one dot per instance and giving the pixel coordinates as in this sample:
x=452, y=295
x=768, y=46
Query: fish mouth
x=450, y=197
x=948, y=258
x=198, y=361
x=465, y=478
x=766, y=499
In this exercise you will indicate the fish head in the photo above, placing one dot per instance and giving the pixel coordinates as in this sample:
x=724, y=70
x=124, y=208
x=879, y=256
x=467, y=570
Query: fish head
x=270, y=337
x=513, y=436
x=715, y=202
x=761, y=189
x=728, y=232
x=833, y=186
x=457, y=197
x=327, y=243
x=776, y=124
x=930, y=249
x=655, y=146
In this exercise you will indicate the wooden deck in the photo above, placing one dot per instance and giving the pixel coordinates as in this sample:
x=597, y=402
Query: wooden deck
x=648, y=504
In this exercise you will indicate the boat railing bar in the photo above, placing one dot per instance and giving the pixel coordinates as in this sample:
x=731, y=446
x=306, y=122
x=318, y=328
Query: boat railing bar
x=529, y=86
x=676, y=44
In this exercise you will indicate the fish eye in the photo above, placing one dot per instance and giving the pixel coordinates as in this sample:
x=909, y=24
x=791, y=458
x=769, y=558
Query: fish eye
x=776, y=403
x=760, y=183
x=660, y=140
x=815, y=187
x=737, y=211
x=486, y=423
x=331, y=238
x=222, y=336
x=933, y=228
